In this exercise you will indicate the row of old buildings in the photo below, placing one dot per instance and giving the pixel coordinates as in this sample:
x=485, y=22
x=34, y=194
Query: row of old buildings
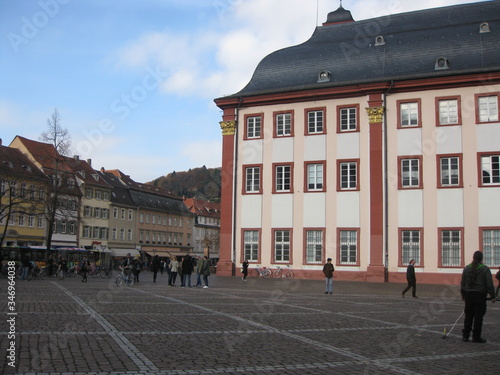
x=104, y=212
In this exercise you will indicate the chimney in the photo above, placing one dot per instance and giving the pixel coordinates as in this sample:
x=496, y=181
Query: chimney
x=89, y=161
x=76, y=157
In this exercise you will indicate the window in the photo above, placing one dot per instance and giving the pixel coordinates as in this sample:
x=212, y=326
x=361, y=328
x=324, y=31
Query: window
x=21, y=221
x=103, y=233
x=98, y=194
x=348, y=245
x=448, y=111
x=113, y=234
x=130, y=214
x=22, y=190
x=450, y=171
x=283, y=126
x=129, y=234
x=253, y=129
x=31, y=220
x=348, y=118
x=491, y=246
x=410, y=172
x=487, y=108
x=490, y=170
x=315, y=121
x=95, y=232
x=104, y=213
x=122, y=211
x=40, y=221
x=314, y=246
x=251, y=245
x=71, y=227
x=282, y=178
x=348, y=175
x=62, y=226
x=88, y=193
x=115, y=213
x=411, y=243
x=87, y=211
x=409, y=113
x=12, y=219
x=282, y=245
x=86, y=231
x=315, y=179
x=97, y=212
x=122, y=234
x=451, y=247
x=41, y=193
x=32, y=192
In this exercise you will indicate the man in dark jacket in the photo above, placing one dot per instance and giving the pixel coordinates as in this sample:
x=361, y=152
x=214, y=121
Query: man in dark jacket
x=475, y=285
x=328, y=272
x=412, y=280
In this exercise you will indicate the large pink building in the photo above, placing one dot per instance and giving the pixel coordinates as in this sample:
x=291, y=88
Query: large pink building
x=373, y=143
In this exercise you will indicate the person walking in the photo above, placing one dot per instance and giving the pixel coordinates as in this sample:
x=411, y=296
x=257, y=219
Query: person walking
x=475, y=285
x=173, y=265
x=25, y=268
x=497, y=276
x=187, y=269
x=205, y=270
x=84, y=269
x=199, y=264
x=244, y=269
x=328, y=270
x=137, y=267
x=412, y=280
x=155, y=266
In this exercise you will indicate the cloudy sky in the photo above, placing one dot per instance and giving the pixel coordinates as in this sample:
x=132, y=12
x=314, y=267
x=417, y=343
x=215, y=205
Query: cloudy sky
x=134, y=80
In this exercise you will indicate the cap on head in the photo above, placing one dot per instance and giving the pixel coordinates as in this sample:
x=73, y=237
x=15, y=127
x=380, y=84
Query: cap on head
x=329, y=260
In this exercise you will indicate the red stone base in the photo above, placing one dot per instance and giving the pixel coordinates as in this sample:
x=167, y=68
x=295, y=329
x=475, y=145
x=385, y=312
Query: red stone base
x=225, y=268
x=375, y=274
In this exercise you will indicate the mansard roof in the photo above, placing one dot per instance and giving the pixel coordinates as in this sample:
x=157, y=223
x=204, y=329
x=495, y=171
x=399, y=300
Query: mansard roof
x=439, y=42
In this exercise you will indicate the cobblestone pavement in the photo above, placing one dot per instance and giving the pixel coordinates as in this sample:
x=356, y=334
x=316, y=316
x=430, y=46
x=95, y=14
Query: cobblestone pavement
x=262, y=326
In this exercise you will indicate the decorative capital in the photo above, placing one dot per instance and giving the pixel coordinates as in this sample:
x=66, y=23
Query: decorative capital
x=375, y=114
x=228, y=127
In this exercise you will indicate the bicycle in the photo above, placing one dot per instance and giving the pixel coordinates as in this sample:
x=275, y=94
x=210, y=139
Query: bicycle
x=287, y=272
x=125, y=278
x=106, y=272
x=263, y=271
x=37, y=273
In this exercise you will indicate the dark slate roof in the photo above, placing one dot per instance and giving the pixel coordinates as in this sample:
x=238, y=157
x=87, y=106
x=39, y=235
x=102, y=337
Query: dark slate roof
x=412, y=43
x=158, y=202
x=120, y=193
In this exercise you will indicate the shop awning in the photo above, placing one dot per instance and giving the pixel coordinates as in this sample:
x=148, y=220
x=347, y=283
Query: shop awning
x=69, y=248
x=124, y=252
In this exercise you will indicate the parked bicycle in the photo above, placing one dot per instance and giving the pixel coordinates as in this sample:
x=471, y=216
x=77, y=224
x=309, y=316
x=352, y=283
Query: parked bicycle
x=126, y=277
x=283, y=272
x=37, y=273
x=262, y=271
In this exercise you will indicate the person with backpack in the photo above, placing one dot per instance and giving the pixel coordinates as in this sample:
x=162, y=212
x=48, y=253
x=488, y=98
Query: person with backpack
x=328, y=270
x=475, y=286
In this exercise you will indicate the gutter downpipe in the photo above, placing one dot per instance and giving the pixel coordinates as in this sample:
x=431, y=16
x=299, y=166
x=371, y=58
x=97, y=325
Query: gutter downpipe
x=235, y=168
x=386, y=191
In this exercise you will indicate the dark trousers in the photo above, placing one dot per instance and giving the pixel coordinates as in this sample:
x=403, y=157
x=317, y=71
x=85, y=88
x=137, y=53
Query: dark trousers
x=475, y=308
x=411, y=284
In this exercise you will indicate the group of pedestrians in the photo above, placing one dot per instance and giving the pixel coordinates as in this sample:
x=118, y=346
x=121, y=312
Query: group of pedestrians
x=185, y=268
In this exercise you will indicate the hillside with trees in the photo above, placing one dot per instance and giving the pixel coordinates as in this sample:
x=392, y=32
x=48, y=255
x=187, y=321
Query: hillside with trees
x=200, y=183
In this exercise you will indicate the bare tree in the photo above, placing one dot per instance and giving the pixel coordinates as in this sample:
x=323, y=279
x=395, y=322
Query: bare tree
x=57, y=203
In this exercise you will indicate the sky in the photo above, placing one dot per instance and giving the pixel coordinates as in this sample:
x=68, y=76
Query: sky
x=134, y=81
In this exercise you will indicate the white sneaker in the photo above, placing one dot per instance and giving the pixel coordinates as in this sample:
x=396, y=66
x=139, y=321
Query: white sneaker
x=205, y=287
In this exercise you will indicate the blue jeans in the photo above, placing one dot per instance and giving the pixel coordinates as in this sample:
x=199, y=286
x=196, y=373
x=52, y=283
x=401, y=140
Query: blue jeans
x=24, y=273
x=198, y=278
x=205, y=279
x=186, y=277
x=329, y=284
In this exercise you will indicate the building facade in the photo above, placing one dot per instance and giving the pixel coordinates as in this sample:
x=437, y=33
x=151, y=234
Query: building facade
x=373, y=143
x=206, y=227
